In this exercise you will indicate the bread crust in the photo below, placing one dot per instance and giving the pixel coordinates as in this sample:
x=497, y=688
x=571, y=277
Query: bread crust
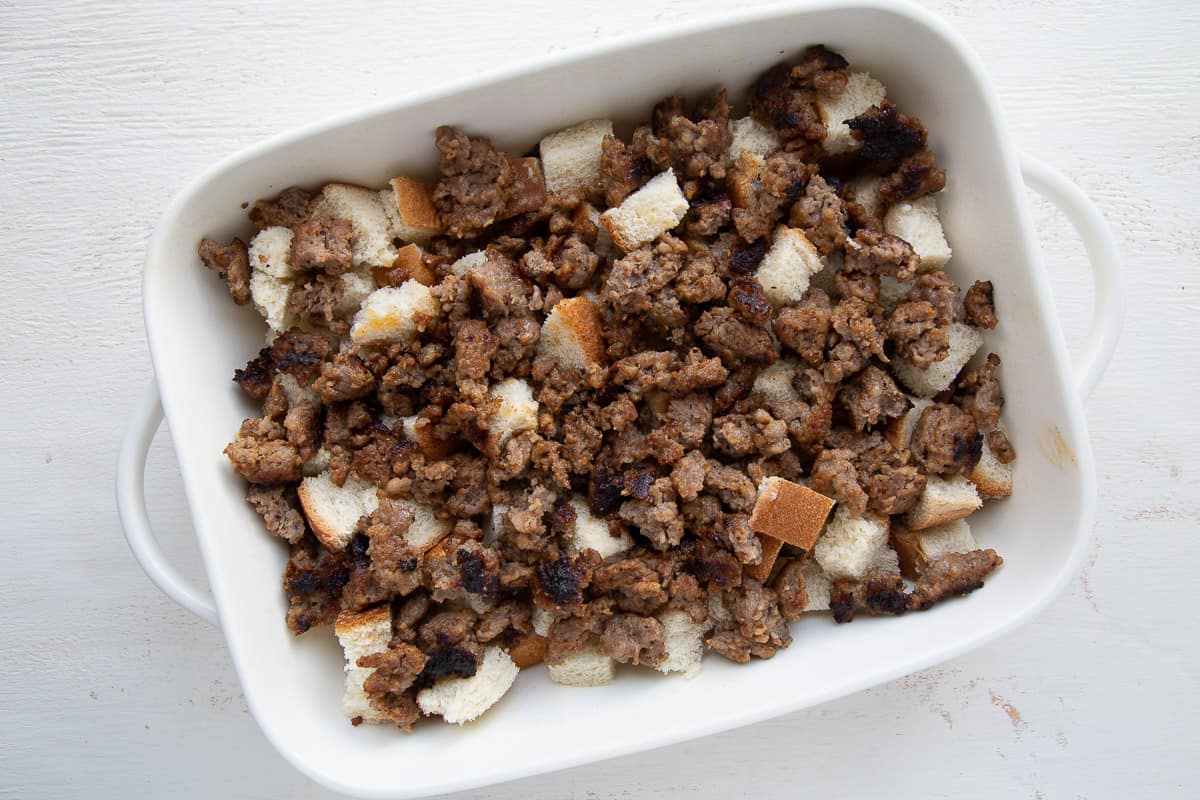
x=791, y=513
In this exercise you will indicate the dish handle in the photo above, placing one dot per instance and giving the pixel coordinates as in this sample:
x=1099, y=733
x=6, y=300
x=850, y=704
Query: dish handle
x=1101, y=247
x=131, y=506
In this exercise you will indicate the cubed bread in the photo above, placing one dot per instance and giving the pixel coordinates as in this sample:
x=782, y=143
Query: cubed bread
x=944, y=500
x=991, y=477
x=899, y=430
x=892, y=291
x=410, y=259
x=817, y=586
x=682, y=639
x=529, y=650
x=333, y=511
x=419, y=430
x=770, y=554
x=395, y=313
x=469, y=263
x=774, y=384
x=271, y=252
x=848, y=546
x=571, y=157
x=789, y=512
x=917, y=549
x=824, y=279
x=572, y=334
x=270, y=296
x=426, y=529
x=541, y=619
x=862, y=92
x=646, y=214
x=866, y=194
x=363, y=209
x=356, y=288
x=788, y=266
x=409, y=207
x=318, y=463
x=512, y=410
x=748, y=135
x=592, y=532
x=885, y=559
x=916, y=222
x=586, y=667
x=361, y=634
x=460, y=700
x=937, y=377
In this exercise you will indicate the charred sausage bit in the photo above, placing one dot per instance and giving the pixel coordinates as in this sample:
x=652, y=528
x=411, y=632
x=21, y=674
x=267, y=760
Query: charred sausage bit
x=953, y=574
x=917, y=176
x=888, y=137
x=946, y=440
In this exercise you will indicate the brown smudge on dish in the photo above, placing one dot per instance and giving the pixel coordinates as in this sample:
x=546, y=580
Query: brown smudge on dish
x=1055, y=448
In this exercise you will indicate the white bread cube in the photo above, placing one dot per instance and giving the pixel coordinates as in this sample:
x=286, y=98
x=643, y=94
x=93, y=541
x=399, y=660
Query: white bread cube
x=591, y=532
x=333, y=511
x=862, y=92
x=646, y=214
x=426, y=529
x=900, y=430
x=514, y=410
x=918, y=548
x=318, y=463
x=866, y=194
x=682, y=639
x=788, y=266
x=848, y=545
x=271, y=252
x=571, y=157
x=964, y=341
x=917, y=223
x=541, y=620
x=468, y=263
x=817, y=586
x=885, y=559
x=363, y=209
x=586, y=667
x=460, y=700
x=356, y=288
x=823, y=280
x=774, y=384
x=270, y=296
x=572, y=335
x=293, y=391
x=362, y=634
x=993, y=479
x=943, y=501
x=395, y=313
x=892, y=291
x=748, y=135
x=409, y=207
x=493, y=526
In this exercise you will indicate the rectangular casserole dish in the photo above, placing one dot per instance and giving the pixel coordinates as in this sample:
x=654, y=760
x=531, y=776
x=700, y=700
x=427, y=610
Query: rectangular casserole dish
x=293, y=685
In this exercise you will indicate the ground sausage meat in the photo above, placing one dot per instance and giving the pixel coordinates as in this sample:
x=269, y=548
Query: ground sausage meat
x=232, y=263
x=575, y=437
x=946, y=440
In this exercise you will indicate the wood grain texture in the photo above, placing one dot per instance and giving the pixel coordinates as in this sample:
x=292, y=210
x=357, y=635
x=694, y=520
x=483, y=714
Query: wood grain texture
x=106, y=109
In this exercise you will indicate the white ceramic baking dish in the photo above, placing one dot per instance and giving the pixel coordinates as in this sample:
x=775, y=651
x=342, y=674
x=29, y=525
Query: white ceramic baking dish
x=197, y=337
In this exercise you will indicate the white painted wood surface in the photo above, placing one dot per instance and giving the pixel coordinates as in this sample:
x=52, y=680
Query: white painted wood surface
x=109, y=689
